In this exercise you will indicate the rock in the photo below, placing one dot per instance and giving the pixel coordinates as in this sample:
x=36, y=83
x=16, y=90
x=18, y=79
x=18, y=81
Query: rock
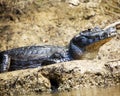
x=62, y=76
x=83, y=73
x=23, y=82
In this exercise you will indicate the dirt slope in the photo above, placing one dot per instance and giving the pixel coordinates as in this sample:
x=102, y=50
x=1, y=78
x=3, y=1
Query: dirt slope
x=53, y=22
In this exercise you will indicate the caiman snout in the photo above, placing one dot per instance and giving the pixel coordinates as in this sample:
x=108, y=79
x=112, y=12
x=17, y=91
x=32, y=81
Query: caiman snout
x=112, y=31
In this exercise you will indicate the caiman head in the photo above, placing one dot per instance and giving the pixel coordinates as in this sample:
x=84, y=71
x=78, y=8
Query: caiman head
x=90, y=40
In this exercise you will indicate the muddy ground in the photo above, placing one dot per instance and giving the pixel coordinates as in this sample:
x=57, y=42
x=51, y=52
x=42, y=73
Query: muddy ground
x=51, y=22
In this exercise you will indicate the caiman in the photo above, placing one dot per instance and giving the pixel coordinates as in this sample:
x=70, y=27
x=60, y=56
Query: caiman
x=90, y=41
x=34, y=56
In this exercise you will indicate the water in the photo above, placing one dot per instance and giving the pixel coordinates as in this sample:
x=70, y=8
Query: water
x=110, y=91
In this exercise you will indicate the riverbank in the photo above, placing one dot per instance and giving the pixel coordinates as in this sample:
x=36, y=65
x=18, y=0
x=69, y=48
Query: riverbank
x=104, y=71
x=55, y=22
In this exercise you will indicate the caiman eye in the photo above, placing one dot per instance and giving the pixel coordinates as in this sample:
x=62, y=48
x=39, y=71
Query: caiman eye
x=83, y=40
x=80, y=40
x=76, y=38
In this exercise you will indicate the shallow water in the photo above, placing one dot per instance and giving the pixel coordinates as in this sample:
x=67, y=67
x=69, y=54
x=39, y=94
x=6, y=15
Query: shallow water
x=111, y=91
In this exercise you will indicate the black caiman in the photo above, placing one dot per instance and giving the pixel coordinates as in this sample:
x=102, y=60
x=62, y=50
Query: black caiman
x=34, y=56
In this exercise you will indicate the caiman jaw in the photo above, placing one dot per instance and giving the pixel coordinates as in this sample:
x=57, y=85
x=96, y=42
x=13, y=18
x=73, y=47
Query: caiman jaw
x=110, y=32
x=95, y=46
x=90, y=40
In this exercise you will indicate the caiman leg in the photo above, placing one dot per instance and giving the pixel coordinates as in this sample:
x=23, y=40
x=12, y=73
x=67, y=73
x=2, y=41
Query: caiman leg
x=55, y=58
x=5, y=63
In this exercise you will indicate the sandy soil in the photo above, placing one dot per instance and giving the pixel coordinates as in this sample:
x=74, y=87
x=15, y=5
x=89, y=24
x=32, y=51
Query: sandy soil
x=50, y=22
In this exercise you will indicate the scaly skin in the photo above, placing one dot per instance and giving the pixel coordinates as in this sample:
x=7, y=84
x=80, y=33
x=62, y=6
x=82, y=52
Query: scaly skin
x=90, y=40
x=34, y=56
